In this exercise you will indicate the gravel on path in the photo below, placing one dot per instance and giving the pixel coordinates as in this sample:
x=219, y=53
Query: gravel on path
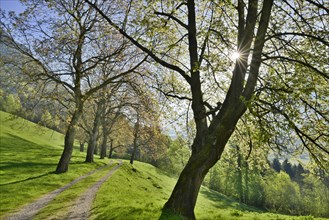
x=29, y=210
x=82, y=206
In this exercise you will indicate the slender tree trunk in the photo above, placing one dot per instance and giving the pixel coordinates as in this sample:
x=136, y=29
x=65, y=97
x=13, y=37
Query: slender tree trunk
x=246, y=182
x=93, y=138
x=103, y=147
x=96, y=146
x=63, y=164
x=111, y=149
x=94, y=135
x=82, y=146
x=240, y=176
x=136, y=131
x=111, y=152
x=104, y=142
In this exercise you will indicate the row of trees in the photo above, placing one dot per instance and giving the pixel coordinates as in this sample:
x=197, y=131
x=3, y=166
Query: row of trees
x=274, y=93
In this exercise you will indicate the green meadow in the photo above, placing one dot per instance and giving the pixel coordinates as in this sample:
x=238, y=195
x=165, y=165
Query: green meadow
x=29, y=154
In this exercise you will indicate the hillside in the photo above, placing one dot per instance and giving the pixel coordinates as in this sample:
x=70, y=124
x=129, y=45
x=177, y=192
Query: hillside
x=29, y=154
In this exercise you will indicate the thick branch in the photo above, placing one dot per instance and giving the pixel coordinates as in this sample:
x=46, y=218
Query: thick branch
x=137, y=44
x=258, y=48
x=109, y=80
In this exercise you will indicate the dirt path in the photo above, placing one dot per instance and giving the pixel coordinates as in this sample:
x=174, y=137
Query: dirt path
x=82, y=206
x=28, y=211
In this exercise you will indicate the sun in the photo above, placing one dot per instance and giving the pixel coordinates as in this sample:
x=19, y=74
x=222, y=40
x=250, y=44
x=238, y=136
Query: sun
x=235, y=55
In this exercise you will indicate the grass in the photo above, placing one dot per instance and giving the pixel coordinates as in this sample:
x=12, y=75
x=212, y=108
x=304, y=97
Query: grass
x=140, y=191
x=59, y=207
x=29, y=154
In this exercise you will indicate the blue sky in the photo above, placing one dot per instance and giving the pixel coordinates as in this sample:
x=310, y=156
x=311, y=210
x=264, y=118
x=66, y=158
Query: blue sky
x=11, y=5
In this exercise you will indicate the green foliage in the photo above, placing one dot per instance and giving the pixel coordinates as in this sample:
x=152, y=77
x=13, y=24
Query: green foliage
x=174, y=160
x=315, y=196
x=10, y=103
x=281, y=194
x=297, y=192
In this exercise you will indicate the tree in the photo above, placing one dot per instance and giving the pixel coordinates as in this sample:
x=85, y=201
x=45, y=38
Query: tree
x=93, y=136
x=192, y=39
x=281, y=194
x=111, y=113
x=66, y=41
x=11, y=103
x=142, y=112
x=276, y=165
x=287, y=167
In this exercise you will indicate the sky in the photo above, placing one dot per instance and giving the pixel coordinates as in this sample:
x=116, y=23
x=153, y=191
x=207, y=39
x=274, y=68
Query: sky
x=11, y=5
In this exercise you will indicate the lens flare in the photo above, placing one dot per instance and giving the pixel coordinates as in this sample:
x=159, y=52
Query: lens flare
x=235, y=55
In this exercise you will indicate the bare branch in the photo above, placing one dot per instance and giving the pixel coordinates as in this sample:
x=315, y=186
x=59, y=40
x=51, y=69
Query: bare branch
x=170, y=16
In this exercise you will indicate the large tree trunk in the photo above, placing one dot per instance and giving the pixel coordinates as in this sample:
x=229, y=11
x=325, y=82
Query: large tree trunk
x=211, y=140
x=206, y=151
x=184, y=196
x=63, y=164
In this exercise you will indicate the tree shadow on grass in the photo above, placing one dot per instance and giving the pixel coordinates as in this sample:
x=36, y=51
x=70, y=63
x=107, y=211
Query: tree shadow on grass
x=224, y=203
x=20, y=144
x=27, y=179
x=23, y=155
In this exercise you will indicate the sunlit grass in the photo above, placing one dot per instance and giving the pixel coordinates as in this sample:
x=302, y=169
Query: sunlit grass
x=141, y=190
x=133, y=193
x=60, y=206
x=28, y=156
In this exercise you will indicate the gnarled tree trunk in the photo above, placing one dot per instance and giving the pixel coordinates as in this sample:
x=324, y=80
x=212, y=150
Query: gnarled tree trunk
x=206, y=151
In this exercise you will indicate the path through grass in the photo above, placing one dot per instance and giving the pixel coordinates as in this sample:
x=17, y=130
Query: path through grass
x=28, y=156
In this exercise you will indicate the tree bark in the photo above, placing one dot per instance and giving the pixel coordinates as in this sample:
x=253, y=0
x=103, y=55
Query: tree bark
x=63, y=164
x=105, y=136
x=136, y=131
x=103, y=148
x=184, y=196
x=111, y=149
x=93, y=137
x=82, y=146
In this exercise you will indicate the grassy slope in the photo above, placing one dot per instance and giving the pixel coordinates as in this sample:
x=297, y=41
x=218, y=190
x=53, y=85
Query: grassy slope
x=141, y=194
x=28, y=155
